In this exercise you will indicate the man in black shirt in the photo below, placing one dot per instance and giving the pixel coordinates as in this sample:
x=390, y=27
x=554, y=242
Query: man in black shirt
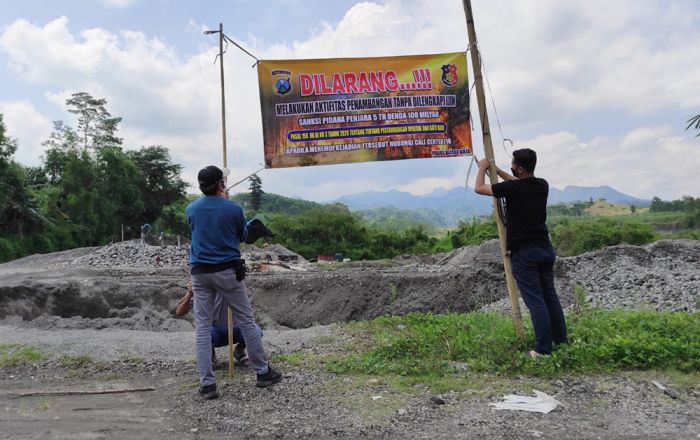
x=531, y=252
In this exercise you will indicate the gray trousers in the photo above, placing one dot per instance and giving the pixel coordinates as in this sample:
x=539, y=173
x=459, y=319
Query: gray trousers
x=206, y=286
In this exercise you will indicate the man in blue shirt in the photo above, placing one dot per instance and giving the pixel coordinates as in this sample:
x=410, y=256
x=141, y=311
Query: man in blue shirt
x=218, y=227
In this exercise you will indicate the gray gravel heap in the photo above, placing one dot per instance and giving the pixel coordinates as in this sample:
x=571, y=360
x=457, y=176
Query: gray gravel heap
x=134, y=253
x=661, y=276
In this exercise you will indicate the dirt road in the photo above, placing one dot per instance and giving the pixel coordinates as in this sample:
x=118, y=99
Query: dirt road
x=309, y=403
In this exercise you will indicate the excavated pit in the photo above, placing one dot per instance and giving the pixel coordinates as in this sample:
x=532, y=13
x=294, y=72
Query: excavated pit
x=132, y=285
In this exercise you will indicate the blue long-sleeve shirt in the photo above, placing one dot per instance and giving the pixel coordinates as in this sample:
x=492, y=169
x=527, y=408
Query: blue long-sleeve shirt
x=218, y=227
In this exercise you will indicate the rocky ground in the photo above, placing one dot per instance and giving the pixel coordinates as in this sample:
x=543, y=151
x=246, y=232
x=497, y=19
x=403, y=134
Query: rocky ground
x=104, y=318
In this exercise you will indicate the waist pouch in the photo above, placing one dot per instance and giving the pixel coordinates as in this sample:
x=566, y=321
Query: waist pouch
x=237, y=265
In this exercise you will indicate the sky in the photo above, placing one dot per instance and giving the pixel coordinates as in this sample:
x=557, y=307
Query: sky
x=601, y=90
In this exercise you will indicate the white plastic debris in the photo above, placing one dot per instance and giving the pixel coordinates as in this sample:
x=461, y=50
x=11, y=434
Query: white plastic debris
x=376, y=397
x=541, y=403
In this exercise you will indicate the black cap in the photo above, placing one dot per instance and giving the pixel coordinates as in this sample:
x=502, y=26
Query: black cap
x=209, y=175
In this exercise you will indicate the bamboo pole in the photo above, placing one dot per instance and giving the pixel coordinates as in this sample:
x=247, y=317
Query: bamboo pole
x=488, y=151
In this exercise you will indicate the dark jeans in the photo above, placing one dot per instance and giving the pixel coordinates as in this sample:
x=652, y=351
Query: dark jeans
x=219, y=335
x=533, y=269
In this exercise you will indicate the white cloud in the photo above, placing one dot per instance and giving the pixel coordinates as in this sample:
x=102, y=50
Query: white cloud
x=194, y=27
x=426, y=185
x=29, y=127
x=653, y=162
x=118, y=3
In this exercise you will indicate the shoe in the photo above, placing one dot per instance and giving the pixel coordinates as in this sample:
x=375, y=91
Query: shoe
x=534, y=355
x=269, y=378
x=209, y=392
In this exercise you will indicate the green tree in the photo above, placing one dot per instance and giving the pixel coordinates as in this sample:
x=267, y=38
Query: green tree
x=8, y=146
x=474, y=232
x=18, y=209
x=78, y=201
x=96, y=126
x=320, y=231
x=61, y=143
x=694, y=122
x=119, y=196
x=576, y=236
x=256, y=192
x=159, y=180
x=172, y=218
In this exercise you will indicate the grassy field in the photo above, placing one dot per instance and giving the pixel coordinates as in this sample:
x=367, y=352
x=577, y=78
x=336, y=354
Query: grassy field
x=447, y=352
x=600, y=341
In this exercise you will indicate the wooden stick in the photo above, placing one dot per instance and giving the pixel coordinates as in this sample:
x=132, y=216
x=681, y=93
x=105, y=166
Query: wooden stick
x=488, y=150
x=79, y=392
x=670, y=393
x=230, y=342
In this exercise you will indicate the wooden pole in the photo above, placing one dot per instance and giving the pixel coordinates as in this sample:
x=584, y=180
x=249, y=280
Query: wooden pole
x=223, y=133
x=488, y=151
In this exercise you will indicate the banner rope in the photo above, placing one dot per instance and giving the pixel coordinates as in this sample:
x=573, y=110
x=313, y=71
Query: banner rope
x=257, y=60
x=501, y=203
x=493, y=104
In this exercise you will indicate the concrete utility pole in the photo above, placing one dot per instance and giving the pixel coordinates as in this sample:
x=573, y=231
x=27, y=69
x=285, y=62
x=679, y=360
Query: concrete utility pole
x=488, y=151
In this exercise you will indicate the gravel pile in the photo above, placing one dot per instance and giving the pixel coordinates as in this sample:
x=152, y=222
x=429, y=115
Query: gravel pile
x=662, y=276
x=134, y=253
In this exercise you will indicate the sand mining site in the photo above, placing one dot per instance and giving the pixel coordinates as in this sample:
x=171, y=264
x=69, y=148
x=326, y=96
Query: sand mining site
x=103, y=317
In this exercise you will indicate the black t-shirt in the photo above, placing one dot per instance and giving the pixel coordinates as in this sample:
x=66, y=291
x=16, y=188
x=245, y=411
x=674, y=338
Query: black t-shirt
x=526, y=211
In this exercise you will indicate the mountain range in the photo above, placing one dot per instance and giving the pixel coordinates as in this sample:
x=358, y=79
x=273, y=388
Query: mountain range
x=459, y=203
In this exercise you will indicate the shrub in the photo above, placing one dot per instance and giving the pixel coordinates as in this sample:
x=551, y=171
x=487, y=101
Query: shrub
x=573, y=237
x=474, y=232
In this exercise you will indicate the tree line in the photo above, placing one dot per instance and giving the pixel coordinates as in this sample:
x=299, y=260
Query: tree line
x=689, y=206
x=87, y=188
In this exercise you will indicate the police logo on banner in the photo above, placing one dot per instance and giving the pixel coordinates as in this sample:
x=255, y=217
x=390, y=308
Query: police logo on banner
x=449, y=74
x=281, y=81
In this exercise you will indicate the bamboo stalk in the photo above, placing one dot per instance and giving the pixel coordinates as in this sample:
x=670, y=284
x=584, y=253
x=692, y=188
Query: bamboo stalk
x=488, y=151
